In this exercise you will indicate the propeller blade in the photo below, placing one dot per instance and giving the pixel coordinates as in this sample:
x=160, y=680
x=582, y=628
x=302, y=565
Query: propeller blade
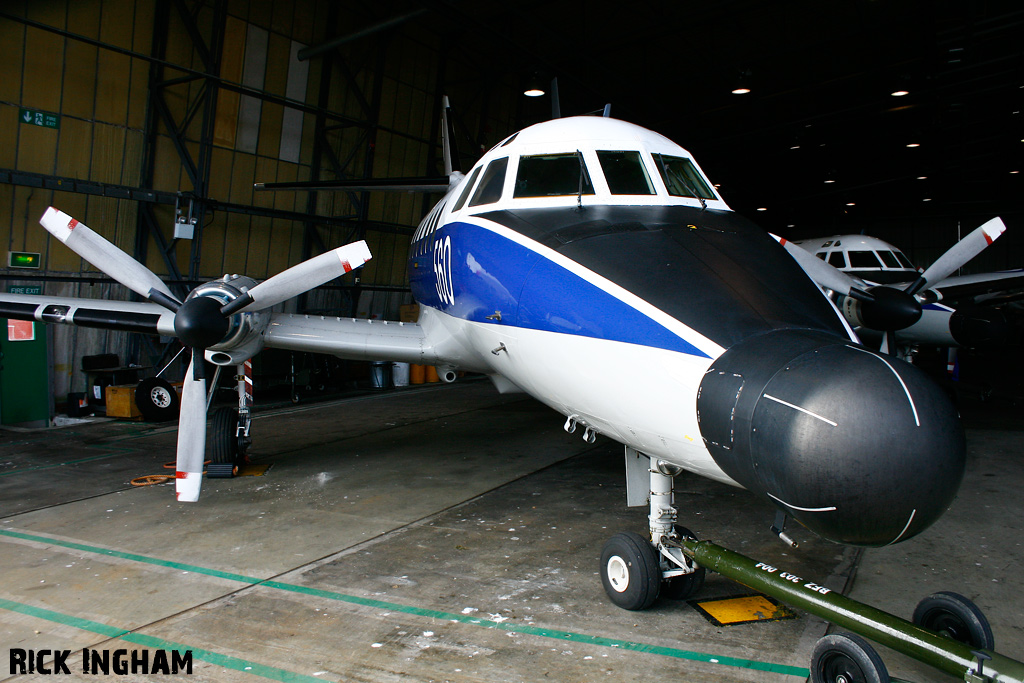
x=301, y=278
x=959, y=254
x=823, y=274
x=191, y=432
x=95, y=249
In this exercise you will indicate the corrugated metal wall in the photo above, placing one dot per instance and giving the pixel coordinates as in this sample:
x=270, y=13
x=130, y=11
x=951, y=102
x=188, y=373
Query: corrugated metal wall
x=102, y=98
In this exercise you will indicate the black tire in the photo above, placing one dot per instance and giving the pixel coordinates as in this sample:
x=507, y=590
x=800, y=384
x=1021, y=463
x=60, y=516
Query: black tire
x=224, y=442
x=952, y=615
x=630, y=571
x=157, y=400
x=846, y=658
x=683, y=587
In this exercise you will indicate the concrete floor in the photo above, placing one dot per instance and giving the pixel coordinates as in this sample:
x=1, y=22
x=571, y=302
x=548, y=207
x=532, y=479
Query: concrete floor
x=445, y=533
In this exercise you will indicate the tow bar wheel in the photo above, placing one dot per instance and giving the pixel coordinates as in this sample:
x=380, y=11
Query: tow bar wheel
x=951, y=614
x=846, y=658
x=630, y=571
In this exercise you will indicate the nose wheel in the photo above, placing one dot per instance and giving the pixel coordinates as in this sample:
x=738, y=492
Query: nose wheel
x=634, y=570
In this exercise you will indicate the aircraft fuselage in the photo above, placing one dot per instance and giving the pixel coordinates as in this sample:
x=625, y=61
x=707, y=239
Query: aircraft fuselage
x=679, y=328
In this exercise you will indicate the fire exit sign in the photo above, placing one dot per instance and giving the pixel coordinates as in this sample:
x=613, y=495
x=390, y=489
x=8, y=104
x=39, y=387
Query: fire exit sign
x=34, y=117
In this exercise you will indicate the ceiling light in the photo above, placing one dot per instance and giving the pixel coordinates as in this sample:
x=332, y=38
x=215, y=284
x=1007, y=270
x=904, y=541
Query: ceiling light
x=851, y=203
x=899, y=93
x=922, y=177
x=926, y=200
x=1014, y=172
x=534, y=88
x=742, y=84
x=762, y=208
x=913, y=144
x=829, y=182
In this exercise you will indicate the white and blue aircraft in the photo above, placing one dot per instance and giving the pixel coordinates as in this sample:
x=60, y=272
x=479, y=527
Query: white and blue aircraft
x=590, y=263
x=955, y=310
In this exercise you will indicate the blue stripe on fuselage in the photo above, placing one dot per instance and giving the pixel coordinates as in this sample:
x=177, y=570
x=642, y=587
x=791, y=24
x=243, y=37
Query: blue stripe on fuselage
x=471, y=273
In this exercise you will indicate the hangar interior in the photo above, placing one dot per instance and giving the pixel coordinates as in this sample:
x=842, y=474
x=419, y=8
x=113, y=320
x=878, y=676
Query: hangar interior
x=156, y=118
x=150, y=121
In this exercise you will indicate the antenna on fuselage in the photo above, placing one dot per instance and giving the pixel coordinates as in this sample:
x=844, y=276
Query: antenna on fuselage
x=556, y=105
x=607, y=113
x=451, y=153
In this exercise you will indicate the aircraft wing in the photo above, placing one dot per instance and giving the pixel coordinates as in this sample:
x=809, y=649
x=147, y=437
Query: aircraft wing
x=343, y=337
x=147, y=318
x=966, y=289
x=352, y=338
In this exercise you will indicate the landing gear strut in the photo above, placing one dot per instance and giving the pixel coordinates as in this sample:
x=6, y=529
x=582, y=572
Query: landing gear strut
x=635, y=571
x=230, y=429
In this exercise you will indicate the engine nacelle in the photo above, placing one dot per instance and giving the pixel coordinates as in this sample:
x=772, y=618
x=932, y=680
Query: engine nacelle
x=889, y=309
x=244, y=336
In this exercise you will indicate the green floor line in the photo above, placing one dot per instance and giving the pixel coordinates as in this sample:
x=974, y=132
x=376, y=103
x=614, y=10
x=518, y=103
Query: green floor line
x=215, y=658
x=524, y=629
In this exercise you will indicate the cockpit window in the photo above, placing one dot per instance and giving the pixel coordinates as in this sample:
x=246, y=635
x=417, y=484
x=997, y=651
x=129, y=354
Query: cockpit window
x=552, y=175
x=625, y=172
x=836, y=260
x=491, y=184
x=465, y=192
x=889, y=259
x=681, y=177
x=904, y=261
x=864, y=259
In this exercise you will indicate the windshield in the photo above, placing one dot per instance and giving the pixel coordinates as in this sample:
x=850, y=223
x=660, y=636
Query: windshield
x=863, y=259
x=625, y=172
x=889, y=259
x=681, y=177
x=904, y=260
x=552, y=175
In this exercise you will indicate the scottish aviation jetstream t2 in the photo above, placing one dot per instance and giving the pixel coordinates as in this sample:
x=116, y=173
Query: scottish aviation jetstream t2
x=590, y=263
x=952, y=310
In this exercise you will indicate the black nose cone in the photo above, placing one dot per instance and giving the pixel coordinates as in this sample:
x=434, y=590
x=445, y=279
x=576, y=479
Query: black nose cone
x=199, y=322
x=860, y=447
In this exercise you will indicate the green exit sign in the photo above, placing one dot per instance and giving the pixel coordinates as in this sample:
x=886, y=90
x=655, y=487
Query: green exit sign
x=22, y=259
x=34, y=117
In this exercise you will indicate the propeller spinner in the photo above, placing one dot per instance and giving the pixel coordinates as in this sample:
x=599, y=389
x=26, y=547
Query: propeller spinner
x=202, y=321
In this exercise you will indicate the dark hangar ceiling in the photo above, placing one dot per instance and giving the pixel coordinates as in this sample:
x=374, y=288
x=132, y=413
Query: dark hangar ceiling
x=820, y=108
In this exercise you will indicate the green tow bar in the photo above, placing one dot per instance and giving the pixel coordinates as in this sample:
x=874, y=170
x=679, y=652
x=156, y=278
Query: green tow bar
x=945, y=654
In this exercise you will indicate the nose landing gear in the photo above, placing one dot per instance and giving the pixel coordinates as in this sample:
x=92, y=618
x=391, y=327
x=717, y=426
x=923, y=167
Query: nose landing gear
x=948, y=631
x=635, y=571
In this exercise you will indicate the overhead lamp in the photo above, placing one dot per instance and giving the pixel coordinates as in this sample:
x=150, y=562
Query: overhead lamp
x=851, y=203
x=902, y=88
x=742, y=84
x=762, y=208
x=534, y=88
x=913, y=144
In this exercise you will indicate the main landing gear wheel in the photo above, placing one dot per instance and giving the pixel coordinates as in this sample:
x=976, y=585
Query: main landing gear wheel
x=846, y=658
x=157, y=400
x=953, y=615
x=630, y=571
x=682, y=587
x=227, y=446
